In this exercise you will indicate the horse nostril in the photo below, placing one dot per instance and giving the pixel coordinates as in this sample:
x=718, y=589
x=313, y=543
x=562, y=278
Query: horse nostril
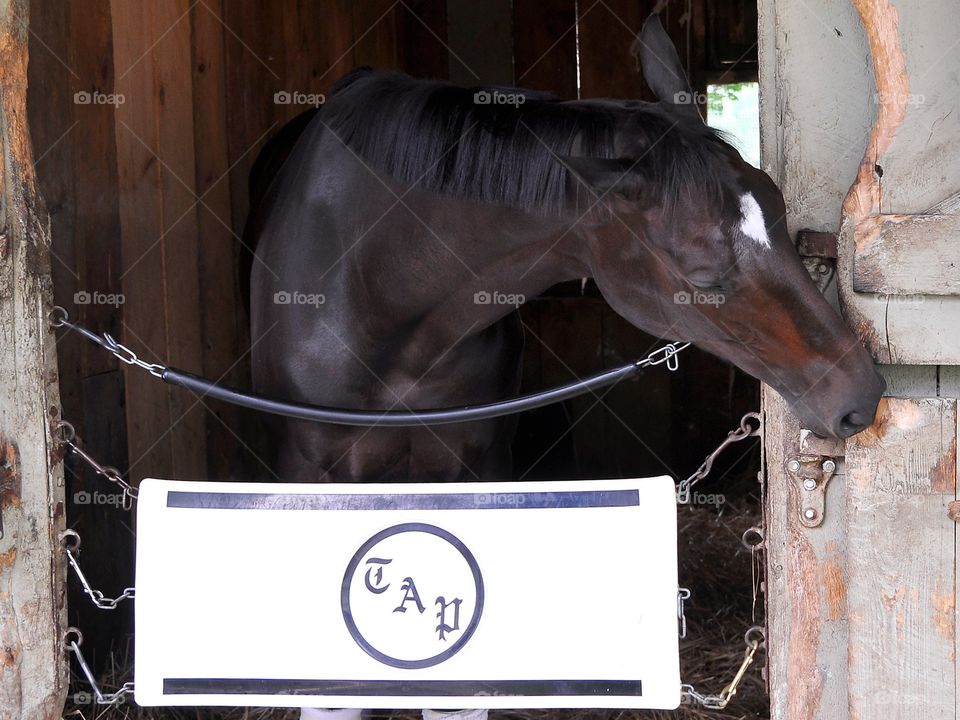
x=852, y=423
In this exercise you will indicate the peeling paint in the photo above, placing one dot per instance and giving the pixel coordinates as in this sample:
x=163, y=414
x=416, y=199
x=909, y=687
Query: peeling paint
x=834, y=584
x=873, y=436
x=805, y=684
x=953, y=510
x=943, y=475
x=944, y=613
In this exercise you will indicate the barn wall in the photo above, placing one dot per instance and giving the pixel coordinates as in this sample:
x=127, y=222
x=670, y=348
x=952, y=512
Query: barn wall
x=147, y=200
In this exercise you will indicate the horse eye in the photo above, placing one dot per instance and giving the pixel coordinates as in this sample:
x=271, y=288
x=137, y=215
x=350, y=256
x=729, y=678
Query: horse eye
x=706, y=283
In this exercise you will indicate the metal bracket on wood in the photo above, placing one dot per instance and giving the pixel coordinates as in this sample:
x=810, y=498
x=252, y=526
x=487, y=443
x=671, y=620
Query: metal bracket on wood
x=819, y=253
x=810, y=474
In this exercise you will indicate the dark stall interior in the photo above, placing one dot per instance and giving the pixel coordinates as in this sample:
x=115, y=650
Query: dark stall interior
x=147, y=197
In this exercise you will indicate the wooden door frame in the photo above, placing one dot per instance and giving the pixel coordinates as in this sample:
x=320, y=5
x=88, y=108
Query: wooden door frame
x=33, y=665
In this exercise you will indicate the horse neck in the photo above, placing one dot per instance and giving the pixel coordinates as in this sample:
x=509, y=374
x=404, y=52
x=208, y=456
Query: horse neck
x=482, y=262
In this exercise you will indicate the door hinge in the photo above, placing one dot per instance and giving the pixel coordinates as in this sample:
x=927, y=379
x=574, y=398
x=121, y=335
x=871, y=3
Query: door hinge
x=810, y=474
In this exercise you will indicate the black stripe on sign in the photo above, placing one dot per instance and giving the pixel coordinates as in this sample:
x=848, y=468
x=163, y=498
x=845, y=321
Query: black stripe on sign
x=402, y=501
x=401, y=688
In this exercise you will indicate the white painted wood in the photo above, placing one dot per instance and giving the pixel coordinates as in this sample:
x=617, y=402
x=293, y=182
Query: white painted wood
x=805, y=585
x=908, y=255
x=909, y=166
x=901, y=475
x=33, y=665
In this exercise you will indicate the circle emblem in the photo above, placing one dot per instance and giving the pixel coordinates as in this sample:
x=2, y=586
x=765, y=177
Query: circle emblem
x=412, y=595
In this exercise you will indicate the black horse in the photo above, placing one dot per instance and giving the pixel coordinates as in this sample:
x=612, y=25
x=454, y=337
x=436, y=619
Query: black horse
x=396, y=227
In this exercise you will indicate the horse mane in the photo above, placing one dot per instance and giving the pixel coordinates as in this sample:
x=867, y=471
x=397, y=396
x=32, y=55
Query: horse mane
x=435, y=136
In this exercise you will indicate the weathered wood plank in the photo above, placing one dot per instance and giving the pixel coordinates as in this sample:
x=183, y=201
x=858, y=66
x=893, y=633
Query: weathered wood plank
x=905, y=169
x=223, y=329
x=141, y=222
x=806, y=584
x=33, y=669
x=152, y=54
x=908, y=255
x=901, y=555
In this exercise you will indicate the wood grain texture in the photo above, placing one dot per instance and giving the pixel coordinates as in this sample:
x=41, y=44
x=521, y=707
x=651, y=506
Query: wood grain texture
x=155, y=146
x=908, y=255
x=905, y=169
x=33, y=667
x=806, y=584
x=901, y=554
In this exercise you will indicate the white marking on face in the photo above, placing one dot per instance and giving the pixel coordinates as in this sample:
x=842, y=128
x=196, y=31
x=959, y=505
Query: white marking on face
x=752, y=224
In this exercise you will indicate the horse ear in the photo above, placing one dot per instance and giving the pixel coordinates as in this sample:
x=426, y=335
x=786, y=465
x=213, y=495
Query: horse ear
x=661, y=67
x=606, y=175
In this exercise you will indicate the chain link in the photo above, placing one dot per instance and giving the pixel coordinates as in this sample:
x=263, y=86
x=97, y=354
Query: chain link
x=59, y=318
x=754, y=637
x=70, y=540
x=66, y=435
x=666, y=354
x=745, y=431
x=72, y=640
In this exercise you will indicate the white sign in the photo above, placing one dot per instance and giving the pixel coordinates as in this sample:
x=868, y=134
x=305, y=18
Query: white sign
x=468, y=595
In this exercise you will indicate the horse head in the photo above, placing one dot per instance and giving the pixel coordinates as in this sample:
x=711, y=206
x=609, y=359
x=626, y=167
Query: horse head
x=693, y=245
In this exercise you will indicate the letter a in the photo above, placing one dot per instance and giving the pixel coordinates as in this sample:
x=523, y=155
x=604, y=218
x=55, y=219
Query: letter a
x=410, y=593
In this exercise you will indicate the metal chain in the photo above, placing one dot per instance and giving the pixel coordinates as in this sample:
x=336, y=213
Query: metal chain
x=70, y=540
x=742, y=433
x=666, y=354
x=59, y=318
x=66, y=435
x=72, y=640
x=755, y=636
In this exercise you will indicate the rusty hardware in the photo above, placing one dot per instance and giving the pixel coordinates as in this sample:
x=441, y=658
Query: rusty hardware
x=810, y=474
x=818, y=250
x=813, y=243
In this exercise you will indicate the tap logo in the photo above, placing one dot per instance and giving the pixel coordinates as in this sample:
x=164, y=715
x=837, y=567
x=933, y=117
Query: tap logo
x=412, y=596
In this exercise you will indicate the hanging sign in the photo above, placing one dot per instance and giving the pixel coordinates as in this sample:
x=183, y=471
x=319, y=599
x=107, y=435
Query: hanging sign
x=479, y=595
